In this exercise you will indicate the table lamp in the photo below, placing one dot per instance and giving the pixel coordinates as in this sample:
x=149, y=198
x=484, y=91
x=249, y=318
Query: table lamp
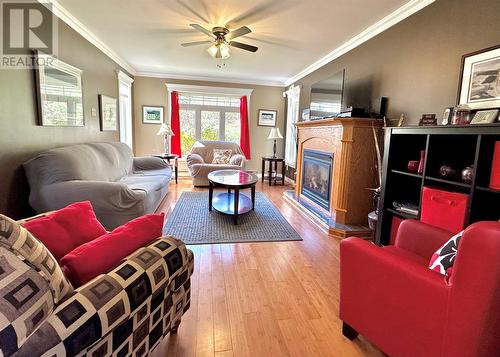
x=275, y=134
x=166, y=131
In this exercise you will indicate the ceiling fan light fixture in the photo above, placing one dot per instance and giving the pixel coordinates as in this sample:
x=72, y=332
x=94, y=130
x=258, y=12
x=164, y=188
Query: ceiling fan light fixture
x=213, y=50
x=219, y=50
x=224, y=50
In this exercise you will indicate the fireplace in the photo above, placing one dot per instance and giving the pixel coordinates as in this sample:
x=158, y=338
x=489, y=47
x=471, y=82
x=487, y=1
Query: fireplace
x=317, y=177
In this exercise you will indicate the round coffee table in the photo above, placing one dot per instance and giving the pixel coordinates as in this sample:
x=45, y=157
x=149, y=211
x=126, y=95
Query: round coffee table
x=231, y=203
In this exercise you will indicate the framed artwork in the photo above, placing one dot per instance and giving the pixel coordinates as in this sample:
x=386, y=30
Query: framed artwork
x=479, y=86
x=152, y=114
x=267, y=117
x=58, y=91
x=108, y=117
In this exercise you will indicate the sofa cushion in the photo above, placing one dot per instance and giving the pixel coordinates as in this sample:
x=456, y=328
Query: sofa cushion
x=166, y=172
x=22, y=243
x=106, y=252
x=25, y=300
x=65, y=229
x=147, y=184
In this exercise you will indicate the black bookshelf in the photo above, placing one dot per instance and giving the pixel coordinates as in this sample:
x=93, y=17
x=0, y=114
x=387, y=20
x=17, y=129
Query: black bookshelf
x=457, y=146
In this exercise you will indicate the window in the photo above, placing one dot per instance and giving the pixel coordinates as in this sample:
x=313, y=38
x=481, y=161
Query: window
x=293, y=95
x=125, y=108
x=208, y=117
x=326, y=107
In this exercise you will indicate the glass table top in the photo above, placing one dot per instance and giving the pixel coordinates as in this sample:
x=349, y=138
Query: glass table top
x=232, y=177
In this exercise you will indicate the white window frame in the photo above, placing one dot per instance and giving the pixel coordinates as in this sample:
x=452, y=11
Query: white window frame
x=125, y=116
x=209, y=91
x=293, y=95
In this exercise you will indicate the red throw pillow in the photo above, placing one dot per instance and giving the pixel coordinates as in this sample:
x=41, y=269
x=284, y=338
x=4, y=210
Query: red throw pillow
x=65, y=229
x=106, y=252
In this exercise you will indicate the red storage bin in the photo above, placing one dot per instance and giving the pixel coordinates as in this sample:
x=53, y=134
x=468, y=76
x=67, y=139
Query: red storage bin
x=396, y=221
x=444, y=209
x=495, y=168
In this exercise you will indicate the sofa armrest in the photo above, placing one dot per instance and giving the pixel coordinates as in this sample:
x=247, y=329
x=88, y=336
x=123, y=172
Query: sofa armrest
x=420, y=238
x=238, y=160
x=193, y=159
x=149, y=163
x=382, y=294
x=148, y=291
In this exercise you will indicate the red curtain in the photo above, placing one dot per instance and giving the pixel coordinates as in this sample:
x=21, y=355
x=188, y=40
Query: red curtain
x=245, y=133
x=175, y=124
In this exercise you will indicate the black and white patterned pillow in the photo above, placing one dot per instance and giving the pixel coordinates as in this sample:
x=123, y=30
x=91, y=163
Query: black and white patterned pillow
x=444, y=257
x=222, y=156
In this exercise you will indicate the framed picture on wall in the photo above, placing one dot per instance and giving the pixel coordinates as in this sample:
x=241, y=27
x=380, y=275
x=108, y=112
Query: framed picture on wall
x=108, y=113
x=152, y=114
x=267, y=117
x=480, y=79
x=58, y=91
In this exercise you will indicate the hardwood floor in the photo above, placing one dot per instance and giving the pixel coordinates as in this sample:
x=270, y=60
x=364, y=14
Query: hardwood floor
x=264, y=299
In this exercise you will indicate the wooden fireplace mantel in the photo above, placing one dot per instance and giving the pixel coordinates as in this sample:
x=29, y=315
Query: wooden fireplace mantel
x=352, y=143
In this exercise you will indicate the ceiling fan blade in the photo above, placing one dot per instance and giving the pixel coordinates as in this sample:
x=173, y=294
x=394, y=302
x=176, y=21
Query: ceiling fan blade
x=187, y=44
x=202, y=29
x=243, y=46
x=243, y=30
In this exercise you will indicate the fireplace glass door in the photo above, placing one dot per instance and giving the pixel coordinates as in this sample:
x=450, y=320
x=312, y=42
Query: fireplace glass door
x=317, y=177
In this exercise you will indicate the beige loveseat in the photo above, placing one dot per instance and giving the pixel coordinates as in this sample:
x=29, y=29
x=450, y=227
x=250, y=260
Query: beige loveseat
x=199, y=161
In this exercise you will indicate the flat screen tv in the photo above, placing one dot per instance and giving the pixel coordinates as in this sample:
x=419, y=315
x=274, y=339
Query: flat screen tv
x=326, y=97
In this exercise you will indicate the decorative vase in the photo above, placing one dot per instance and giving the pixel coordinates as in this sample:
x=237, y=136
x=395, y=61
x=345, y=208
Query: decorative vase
x=467, y=174
x=447, y=171
x=413, y=165
x=421, y=164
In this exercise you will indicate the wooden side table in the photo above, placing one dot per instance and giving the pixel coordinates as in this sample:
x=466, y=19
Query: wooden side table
x=273, y=167
x=169, y=157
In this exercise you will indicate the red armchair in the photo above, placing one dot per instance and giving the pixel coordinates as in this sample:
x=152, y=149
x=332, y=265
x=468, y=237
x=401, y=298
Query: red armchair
x=389, y=295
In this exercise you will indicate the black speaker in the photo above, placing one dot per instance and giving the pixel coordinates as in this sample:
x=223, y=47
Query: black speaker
x=383, y=106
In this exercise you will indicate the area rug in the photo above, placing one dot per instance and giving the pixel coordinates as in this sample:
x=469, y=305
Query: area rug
x=193, y=223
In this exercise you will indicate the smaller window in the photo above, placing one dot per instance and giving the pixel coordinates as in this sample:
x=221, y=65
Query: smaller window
x=209, y=100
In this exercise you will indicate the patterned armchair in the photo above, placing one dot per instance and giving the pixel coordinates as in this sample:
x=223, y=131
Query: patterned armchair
x=125, y=312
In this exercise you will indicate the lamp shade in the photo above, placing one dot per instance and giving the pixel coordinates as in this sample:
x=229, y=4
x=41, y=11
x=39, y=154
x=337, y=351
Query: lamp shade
x=165, y=130
x=275, y=134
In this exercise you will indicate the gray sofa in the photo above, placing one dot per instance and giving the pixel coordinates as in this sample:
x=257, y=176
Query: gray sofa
x=120, y=186
x=199, y=161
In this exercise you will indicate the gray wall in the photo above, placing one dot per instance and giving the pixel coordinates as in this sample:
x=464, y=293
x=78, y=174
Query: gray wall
x=417, y=62
x=20, y=136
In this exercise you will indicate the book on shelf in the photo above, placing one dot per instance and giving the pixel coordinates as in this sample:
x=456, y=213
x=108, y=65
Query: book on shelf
x=408, y=208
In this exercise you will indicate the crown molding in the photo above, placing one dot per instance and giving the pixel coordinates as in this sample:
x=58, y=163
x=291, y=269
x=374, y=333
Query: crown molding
x=124, y=77
x=63, y=14
x=168, y=76
x=390, y=20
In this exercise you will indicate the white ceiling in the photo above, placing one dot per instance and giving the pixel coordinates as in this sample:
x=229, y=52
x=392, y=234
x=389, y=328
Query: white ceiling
x=291, y=34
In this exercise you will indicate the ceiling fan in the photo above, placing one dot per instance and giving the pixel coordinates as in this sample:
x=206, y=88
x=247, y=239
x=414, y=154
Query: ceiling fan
x=222, y=38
